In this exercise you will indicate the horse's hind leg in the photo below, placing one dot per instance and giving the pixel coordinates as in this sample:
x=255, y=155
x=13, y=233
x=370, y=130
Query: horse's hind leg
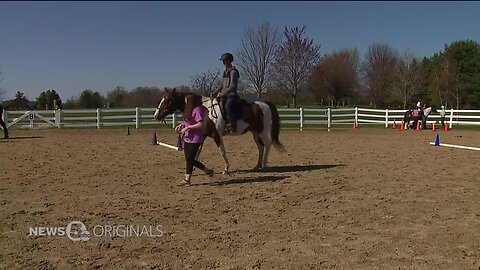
x=267, y=143
x=260, y=147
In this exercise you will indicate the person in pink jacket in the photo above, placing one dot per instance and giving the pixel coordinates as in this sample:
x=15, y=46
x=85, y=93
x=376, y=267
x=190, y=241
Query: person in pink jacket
x=193, y=137
x=416, y=116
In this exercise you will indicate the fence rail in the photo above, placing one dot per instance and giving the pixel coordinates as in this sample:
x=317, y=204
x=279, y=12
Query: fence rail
x=298, y=118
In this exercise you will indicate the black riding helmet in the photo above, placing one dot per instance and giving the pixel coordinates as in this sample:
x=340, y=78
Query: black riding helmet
x=227, y=57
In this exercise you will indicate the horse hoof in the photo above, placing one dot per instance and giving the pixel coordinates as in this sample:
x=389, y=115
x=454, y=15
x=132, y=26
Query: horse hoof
x=258, y=169
x=226, y=173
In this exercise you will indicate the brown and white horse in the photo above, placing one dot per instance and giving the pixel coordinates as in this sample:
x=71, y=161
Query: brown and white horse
x=408, y=117
x=262, y=121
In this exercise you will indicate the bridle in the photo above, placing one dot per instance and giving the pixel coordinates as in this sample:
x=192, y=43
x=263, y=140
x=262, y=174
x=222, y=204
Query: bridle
x=212, y=108
x=167, y=110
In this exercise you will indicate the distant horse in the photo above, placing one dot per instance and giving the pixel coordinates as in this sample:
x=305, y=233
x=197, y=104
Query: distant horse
x=260, y=118
x=408, y=116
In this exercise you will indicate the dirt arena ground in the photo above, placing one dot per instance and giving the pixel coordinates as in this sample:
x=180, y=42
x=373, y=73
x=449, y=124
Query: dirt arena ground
x=345, y=199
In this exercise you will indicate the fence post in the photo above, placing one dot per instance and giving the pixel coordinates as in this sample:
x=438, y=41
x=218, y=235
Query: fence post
x=31, y=116
x=301, y=118
x=386, y=118
x=98, y=118
x=5, y=117
x=356, y=115
x=137, y=118
x=58, y=118
x=451, y=119
x=173, y=120
x=329, y=118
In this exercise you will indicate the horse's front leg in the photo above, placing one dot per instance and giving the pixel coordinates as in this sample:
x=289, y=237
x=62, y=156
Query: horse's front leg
x=261, y=148
x=221, y=148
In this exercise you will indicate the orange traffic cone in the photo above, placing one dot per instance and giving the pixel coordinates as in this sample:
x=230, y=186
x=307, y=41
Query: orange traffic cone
x=434, y=127
x=446, y=126
x=402, y=127
x=418, y=125
x=394, y=124
x=355, y=124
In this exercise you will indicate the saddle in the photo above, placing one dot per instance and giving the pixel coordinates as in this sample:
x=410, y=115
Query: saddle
x=241, y=108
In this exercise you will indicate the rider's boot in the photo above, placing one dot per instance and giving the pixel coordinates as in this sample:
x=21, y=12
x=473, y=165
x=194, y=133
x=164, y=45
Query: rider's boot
x=233, y=126
x=228, y=128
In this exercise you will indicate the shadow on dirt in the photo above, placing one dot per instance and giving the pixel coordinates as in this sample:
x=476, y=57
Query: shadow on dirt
x=247, y=180
x=294, y=168
x=20, y=138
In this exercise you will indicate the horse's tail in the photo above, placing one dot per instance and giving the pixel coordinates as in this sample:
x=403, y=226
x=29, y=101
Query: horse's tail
x=275, y=130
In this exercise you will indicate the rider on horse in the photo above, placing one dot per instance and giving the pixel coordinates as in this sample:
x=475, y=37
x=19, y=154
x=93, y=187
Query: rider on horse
x=229, y=88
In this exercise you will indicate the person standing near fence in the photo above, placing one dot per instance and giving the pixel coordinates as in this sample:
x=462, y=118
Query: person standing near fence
x=2, y=123
x=442, y=116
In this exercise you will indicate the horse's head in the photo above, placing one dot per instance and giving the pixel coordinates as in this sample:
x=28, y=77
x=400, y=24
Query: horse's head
x=170, y=102
x=427, y=110
x=408, y=113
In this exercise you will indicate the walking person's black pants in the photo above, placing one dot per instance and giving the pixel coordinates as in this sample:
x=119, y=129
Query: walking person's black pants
x=191, y=150
x=415, y=121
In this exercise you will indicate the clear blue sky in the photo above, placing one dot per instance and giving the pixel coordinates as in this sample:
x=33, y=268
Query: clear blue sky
x=72, y=46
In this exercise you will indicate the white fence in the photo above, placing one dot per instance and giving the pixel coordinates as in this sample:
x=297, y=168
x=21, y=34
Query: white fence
x=298, y=118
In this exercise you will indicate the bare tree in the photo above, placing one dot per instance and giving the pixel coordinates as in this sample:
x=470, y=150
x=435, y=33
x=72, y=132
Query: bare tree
x=243, y=86
x=378, y=70
x=295, y=58
x=117, y=96
x=457, y=91
x=336, y=76
x=256, y=54
x=143, y=96
x=408, y=78
x=207, y=82
x=183, y=88
x=444, y=81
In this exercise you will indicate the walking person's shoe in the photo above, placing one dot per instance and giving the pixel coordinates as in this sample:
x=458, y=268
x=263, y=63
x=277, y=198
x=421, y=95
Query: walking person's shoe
x=184, y=182
x=229, y=128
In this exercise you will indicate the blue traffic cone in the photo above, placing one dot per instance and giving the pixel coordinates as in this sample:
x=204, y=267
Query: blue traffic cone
x=154, y=138
x=437, y=141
